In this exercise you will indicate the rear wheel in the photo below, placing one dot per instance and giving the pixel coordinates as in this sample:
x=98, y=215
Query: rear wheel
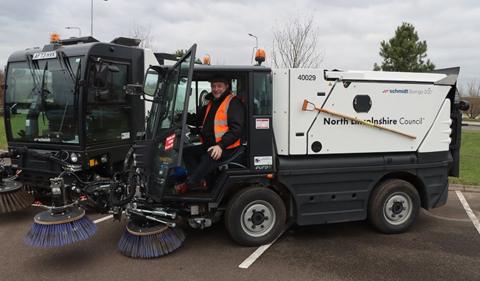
x=394, y=206
x=255, y=216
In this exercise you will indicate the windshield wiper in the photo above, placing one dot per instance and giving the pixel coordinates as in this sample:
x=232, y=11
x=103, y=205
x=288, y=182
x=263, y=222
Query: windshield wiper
x=32, y=72
x=34, y=110
x=65, y=61
x=42, y=86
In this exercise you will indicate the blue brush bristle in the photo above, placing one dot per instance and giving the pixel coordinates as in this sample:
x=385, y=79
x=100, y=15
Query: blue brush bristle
x=151, y=246
x=56, y=235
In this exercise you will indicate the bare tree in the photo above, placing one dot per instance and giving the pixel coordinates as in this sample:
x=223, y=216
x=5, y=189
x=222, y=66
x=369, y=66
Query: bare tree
x=472, y=95
x=295, y=44
x=143, y=33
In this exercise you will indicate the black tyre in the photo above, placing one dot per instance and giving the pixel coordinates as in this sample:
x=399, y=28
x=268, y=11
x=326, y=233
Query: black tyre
x=393, y=206
x=255, y=216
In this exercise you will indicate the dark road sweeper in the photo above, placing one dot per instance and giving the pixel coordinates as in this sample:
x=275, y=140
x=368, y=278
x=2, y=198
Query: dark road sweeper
x=318, y=147
x=66, y=110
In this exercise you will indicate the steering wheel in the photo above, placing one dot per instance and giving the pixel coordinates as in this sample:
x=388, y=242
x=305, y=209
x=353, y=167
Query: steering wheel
x=177, y=124
x=188, y=137
x=177, y=119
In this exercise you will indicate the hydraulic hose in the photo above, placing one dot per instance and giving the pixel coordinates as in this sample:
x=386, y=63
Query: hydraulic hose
x=131, y=193
x=130, y=183
x=127, y=158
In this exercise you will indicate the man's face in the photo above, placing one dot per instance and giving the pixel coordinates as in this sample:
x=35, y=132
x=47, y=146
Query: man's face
x=218, y=88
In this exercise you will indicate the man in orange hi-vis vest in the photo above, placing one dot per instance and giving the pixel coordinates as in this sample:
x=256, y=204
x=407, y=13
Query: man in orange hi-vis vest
x=222, y=122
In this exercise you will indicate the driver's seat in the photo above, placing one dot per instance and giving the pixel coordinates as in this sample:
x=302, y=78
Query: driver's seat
x=233, y=159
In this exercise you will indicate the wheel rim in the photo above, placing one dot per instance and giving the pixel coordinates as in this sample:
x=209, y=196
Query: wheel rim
x=258, y=218
x=397, y=208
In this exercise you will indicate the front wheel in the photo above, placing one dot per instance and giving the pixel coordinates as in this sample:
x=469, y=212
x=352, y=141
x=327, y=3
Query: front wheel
x=394, y=206
x=255, y=216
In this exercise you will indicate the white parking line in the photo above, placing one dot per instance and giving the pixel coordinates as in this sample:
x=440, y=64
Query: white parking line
x=469, y=211
x=103, y=219
x=258, y=252
x=253, y=257
x=427, y=213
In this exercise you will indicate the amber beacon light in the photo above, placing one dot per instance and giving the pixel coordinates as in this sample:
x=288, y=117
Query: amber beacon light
x=260, y=56
x=206, y=60
x=54, y=38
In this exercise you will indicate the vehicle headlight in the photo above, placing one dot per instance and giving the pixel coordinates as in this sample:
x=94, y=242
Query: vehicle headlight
x=73, y=157
x=104, y=158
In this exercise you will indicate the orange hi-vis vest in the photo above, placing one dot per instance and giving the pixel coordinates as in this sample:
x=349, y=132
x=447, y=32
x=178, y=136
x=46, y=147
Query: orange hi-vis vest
x=220, y=124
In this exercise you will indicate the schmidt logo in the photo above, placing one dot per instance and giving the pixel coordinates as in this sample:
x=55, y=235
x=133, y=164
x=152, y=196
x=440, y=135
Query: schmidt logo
x=427, y=91
x=395, y=91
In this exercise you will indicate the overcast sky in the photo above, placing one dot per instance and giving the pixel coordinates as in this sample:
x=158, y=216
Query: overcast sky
x=350, y=31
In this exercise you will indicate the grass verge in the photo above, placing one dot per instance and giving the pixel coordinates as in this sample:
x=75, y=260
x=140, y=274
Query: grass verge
x=3, y=137
x=469, y=159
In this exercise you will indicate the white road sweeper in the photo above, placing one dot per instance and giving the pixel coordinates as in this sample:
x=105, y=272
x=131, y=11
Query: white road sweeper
x=319, y=147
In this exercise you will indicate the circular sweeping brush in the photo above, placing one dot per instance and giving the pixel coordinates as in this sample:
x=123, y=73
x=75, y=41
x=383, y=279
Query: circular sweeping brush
x=55, y=228
x=146, y=241
x=13, y=197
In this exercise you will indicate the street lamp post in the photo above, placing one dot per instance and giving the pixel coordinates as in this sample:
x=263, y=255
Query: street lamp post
x=91, y=17
x=256, y=45
x=75, y=27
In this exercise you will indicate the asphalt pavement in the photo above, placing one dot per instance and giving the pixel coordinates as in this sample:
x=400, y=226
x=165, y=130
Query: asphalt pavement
x=442, y=245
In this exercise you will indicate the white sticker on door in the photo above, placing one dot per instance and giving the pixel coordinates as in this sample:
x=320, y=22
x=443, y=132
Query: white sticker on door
x=262, y=123
x=262, y=160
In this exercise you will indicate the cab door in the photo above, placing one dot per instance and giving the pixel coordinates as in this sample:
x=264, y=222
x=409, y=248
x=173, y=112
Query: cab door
x=167, y=125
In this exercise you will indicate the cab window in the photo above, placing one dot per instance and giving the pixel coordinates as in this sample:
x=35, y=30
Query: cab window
x=262, y=94
x=107, y=111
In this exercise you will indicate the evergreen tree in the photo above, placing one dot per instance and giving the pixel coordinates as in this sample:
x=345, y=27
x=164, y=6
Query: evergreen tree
x=180, y=53
x=404, y=52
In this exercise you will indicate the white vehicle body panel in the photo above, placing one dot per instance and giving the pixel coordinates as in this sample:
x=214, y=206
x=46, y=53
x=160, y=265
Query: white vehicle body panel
x=280, y=101
x=438, y=138
x=407, y=102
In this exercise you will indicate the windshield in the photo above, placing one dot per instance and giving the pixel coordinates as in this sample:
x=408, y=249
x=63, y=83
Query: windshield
x=40, y=100
x=172, y=102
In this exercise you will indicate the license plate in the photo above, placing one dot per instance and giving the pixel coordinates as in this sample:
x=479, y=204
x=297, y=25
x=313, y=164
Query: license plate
x=45, y=55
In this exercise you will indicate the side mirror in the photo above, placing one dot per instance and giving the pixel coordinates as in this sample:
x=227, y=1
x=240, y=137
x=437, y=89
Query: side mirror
x=100, y=76
x=103, y=79
x=113, y=68
x=151, y=83
x=464, y=105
